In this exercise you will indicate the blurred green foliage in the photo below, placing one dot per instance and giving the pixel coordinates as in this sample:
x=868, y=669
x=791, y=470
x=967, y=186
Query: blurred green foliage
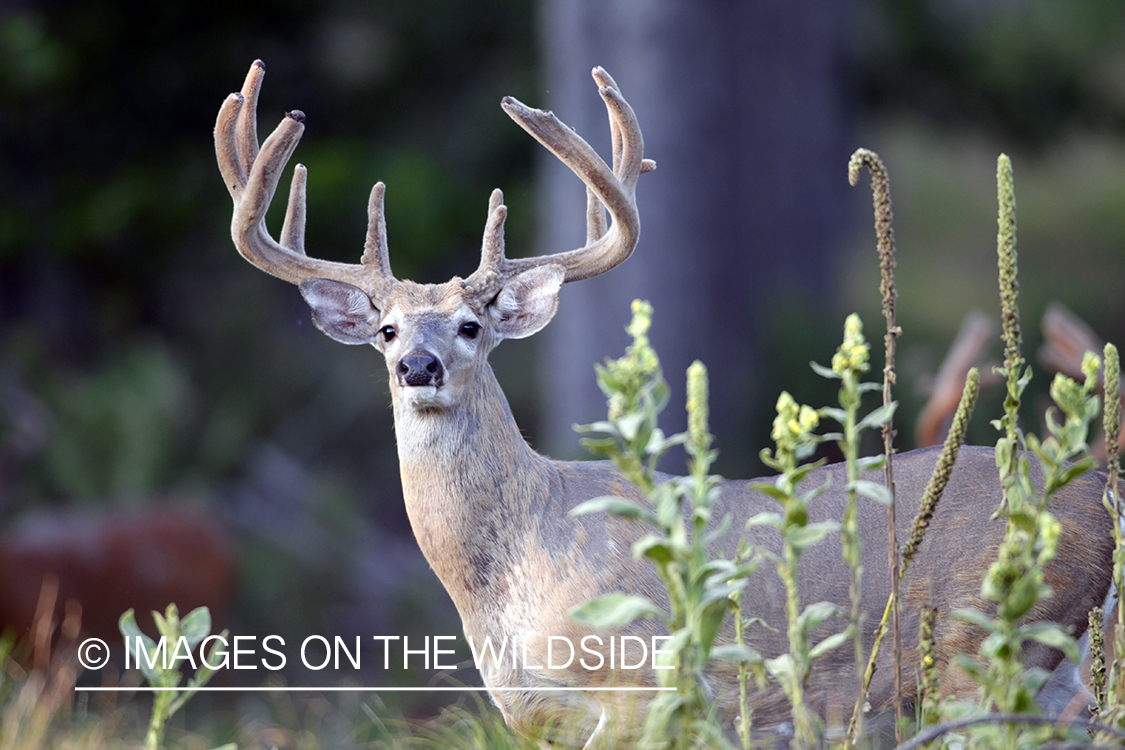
x=123, y=306
x=1027, y=70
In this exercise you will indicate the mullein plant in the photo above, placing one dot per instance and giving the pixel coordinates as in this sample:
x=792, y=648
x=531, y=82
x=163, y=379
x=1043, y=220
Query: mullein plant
x=161, y=666
x=795, y=441
x=848, y=366
x=679, y=514
x=1015, y=581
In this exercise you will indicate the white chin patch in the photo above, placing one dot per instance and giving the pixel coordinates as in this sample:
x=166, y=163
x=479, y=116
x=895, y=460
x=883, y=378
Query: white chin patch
x=422, y=397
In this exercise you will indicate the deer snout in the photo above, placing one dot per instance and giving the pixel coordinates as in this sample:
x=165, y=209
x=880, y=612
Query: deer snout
x=420, y=369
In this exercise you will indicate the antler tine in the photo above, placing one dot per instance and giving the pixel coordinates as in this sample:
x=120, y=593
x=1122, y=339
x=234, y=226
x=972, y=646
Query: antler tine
x=485, y=280
x=226, y=145
x=612, y=188
x=252, y=173
x=376, y=253
x=247, y=132
x=604, y=79
x=293, y=231
x=492, y=248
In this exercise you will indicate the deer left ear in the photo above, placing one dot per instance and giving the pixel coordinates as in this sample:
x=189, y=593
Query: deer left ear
x=527, y=302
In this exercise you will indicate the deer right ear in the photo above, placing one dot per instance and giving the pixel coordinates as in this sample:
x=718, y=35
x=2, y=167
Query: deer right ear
x=343, y=312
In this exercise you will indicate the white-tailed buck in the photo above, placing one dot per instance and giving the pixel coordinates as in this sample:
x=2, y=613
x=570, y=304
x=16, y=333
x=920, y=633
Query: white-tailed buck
x=491, y=514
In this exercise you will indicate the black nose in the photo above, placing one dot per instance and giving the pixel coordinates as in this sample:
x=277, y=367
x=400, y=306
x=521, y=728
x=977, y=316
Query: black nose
x=420, y=369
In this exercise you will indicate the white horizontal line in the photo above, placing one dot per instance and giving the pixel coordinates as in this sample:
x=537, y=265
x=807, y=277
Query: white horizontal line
x=339, y=689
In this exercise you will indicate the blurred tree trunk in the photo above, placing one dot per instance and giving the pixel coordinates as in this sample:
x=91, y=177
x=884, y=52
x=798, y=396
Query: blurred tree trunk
x=742, y=105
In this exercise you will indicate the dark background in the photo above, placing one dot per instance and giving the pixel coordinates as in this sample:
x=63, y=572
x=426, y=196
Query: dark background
x=143, y=362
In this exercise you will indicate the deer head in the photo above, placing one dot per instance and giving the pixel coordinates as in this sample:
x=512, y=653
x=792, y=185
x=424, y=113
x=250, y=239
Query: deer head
x=435, y=337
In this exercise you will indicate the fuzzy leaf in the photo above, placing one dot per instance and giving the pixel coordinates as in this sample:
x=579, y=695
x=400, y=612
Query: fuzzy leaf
x=781, y=668
x=1050, y=634
x=736, y=653
x=196, y=626
x=824, y=372
x=770, y=489
x=127, y=624
x=816, y=613
x=658, y=549
x=879, y=416
x=831, y=642
x=869, y=463
x=766, y=519
x=616, y=506
x=613, y=610
x=974, y=616
x=873, y=490
x=603, y=426
x=803, y=537
x=710, y=620
x=1072, y=472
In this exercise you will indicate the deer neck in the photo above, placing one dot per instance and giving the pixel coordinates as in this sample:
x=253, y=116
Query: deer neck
x=469, y=482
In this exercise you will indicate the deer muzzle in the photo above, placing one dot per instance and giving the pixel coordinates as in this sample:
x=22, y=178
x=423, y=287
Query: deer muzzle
x=420, y=369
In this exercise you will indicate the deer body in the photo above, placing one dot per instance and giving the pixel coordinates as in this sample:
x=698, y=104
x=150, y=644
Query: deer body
x=492, y=516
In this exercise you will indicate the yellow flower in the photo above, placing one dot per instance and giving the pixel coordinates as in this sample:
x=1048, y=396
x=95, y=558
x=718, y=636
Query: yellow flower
x=853, y=354
x=793, y=425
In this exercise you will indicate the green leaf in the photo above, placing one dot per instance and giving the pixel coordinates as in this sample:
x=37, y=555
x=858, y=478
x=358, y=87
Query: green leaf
x=1071, y=473
x=613, y=610
x=658, y=549
x=196, y=626
x=630, y=425
x=781, y=668
x=803, y=537
x=1050, y=634
x=616, y=506
x=798, y=475
x=873, y=490
x=600, y=446
x=869, y=463
x=606, y=427
x=162, y=626
x=770, y=489
x=973, y=667
x=737, y=653
x=974, y=616
x=832, y=412
x=127, y=624
x=710, y=620
x=831, y=642
x=766, y=519
x=816, y=613
x=824, y=372
x=879, y=416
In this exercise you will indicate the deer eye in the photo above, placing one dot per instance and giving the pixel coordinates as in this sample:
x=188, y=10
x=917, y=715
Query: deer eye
x=470, y=330
x=389, y=333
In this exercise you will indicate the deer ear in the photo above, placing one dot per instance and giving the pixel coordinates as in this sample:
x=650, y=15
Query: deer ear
x=527, y=302
x=341, y=311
